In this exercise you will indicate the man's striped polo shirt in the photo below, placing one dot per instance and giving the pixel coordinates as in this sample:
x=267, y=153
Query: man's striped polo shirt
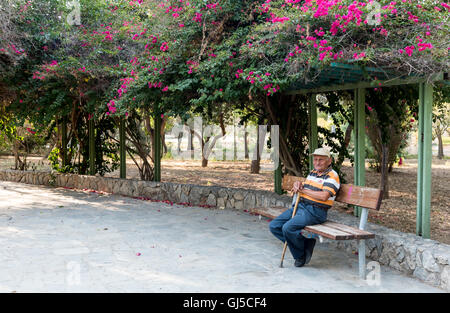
x=326, y=181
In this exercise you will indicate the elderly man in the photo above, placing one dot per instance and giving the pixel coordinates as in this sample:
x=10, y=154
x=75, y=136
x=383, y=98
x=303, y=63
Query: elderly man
x=317, y=195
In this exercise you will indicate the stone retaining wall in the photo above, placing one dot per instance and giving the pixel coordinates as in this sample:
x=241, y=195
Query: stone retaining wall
x=425, y=259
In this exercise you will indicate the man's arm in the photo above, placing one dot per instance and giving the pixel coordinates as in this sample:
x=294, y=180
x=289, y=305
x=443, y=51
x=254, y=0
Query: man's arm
x=318, y=195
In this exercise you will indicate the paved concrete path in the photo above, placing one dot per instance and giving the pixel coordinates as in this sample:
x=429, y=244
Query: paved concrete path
x=60, y=240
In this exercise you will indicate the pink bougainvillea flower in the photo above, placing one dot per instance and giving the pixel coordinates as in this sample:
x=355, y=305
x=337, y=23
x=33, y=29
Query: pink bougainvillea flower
x=164, y=46
x=197, y=17
x=357, y=56
x=409, y=50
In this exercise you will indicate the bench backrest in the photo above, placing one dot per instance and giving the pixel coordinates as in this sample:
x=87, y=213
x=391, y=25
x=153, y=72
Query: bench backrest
x=350, y=194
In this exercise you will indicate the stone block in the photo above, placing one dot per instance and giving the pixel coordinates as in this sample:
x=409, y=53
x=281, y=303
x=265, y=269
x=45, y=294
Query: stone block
x=221, y=203
x=249, y=201
x=238, y=195
x=211, y=200
x=445, y=278
x=429, y=262
x=239, y=205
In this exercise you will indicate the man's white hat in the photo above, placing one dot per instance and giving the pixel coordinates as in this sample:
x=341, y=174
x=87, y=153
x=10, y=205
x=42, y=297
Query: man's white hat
x=323, y=152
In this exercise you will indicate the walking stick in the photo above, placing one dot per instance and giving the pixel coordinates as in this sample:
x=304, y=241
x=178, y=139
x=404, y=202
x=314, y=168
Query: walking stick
x=293, y=214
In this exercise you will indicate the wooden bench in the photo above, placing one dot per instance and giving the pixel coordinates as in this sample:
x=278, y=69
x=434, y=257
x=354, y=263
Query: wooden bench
x=364, y=197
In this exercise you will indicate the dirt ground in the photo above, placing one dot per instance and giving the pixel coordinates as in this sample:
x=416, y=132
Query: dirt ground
x=398, y=212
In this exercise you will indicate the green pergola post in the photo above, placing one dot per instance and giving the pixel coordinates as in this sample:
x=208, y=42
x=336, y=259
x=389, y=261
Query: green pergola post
x=313, y=138
x=424, y=160
x=157, y=144
x=419, y=162
x=91, y=131
x=122, y=149
x=64, y=141
x=359, y=131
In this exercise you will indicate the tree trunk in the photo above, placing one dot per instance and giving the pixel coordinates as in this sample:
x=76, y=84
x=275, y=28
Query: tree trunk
x=348, y=135
x=286, y=156
x=191, y=143
x=347, y=138
x=246, y=156
x=384, y=171
x=255, y=164
x=146, y=171
x=163, y=135
x=204, y=158
x=149, y=129
x=180, y=137
x=234, y=143
x=208, y=145
x=17, y=160
x=440, y=146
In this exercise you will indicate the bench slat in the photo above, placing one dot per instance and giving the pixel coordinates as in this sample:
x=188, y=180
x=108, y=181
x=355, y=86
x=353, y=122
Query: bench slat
x=361, y=196
x=289, y=180
x=357, y=233
x=349, y=194
x=329, y=232
x=329, y=229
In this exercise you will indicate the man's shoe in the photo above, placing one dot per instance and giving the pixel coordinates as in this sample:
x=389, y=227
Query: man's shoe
x=309, y=247
x=299, y=262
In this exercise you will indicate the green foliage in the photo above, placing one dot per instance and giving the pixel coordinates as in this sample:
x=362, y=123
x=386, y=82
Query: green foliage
x=390, y=114
x=209, y=58
x=55, y=164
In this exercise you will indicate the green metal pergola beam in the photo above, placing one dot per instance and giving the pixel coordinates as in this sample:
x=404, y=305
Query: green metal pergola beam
x=360, y=140
x=357, y=68
x=384, y=83
x=424, y=160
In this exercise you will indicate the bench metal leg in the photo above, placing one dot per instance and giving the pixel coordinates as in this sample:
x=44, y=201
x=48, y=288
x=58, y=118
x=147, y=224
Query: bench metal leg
x=362, y=245
x=362, y=258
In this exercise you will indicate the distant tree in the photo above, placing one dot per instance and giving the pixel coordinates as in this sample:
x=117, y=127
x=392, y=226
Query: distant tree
x=389, y=114
x=441, y=117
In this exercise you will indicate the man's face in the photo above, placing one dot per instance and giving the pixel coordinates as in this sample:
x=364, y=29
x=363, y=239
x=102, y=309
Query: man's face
x=321, y=163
